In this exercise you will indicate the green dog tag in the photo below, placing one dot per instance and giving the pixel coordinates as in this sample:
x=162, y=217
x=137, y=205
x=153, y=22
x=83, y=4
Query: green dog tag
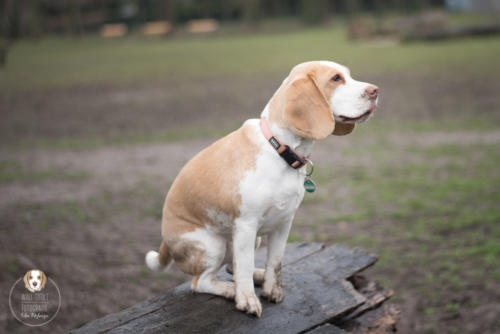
x=309, y=185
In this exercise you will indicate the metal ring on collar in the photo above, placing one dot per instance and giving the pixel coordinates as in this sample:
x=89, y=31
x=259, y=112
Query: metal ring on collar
x=310, y=163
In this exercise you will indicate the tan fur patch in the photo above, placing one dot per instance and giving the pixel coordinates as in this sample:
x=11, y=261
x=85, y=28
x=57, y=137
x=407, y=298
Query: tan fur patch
x=210, y=181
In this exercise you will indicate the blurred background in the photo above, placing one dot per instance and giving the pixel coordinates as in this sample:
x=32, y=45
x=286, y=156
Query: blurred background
x=102, y=103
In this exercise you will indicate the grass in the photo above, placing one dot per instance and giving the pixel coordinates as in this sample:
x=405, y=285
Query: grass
x=11, y=171
x=52, y=63
x=47, y=215
x=83, y=143
x=88, y=142
x=434, y=225
x=142, y=201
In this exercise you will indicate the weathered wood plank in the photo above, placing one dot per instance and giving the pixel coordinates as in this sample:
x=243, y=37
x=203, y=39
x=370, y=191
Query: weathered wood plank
x=327, y=329
x=315, y=292
x=347, y=261
x=378, y=321
x=294, y=252
x=302, y=308
x=374, y=293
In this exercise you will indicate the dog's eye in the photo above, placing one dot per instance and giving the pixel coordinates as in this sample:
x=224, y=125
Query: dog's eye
x=336, y=77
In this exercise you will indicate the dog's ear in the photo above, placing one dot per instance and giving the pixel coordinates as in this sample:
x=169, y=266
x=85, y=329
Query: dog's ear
x=307, y=112
x=44, y=279
x=342, y=129
x=26, y=278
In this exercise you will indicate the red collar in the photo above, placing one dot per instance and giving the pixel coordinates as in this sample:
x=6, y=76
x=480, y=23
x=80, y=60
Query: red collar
x=291, y=157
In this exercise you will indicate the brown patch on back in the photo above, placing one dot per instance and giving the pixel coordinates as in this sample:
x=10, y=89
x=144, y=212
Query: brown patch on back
x=210, y=181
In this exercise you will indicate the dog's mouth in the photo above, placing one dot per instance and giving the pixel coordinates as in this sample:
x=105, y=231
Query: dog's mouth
x=363, y=117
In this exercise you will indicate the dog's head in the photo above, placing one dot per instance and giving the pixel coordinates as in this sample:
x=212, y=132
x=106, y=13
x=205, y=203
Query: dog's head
x=321, y=98
x=35, y=280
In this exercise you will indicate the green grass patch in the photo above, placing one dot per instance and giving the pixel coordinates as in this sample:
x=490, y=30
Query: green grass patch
x=47, y=215
x=294, y=237
x=11, y=171
x=58, y=62
x=88, y=143
x=414, y=124
x=144, y=200
x=435, y=216
x=10, y=265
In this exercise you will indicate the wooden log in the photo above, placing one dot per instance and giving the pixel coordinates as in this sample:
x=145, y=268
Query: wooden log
x=378, y=321
x=315, y=286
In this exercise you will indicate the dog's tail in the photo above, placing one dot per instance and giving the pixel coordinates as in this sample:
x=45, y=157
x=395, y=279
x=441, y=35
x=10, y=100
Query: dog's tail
x=158, y=261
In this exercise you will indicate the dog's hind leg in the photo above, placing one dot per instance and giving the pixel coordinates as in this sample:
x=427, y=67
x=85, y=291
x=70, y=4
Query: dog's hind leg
x=208, y=283
x=201, y=254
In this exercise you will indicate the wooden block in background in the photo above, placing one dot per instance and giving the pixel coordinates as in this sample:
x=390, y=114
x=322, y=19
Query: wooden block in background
x=113, y=30
x=156, y=28
x=202, y=26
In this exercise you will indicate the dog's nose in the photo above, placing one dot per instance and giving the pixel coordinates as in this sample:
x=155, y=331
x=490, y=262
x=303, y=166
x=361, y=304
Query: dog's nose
x=372, y=92
x=35, y=283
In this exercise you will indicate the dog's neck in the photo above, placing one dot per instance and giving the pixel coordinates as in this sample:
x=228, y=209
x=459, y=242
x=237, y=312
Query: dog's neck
x=301, y=145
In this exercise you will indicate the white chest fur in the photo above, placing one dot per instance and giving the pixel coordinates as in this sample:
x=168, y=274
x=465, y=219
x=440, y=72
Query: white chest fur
x=273, y=190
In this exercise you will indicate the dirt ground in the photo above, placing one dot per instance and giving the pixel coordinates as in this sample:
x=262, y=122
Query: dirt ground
x=87, y=212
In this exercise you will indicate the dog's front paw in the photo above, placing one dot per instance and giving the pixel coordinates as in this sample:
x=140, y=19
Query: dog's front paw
x=273, y=294
x=248, y=302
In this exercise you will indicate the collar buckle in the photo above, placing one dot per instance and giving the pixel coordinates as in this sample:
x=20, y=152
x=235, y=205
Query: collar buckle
x=292, y=158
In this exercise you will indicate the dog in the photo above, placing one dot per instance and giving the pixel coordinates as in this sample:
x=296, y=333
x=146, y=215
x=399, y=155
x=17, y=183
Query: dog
x=34, y=280
x=250, y=183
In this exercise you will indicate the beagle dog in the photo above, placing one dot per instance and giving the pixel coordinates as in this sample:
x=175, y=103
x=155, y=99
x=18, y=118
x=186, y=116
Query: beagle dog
x=251, y=182
x=34, y=280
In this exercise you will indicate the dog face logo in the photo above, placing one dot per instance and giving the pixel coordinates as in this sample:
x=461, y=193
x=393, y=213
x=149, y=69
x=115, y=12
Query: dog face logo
x=34, y=280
